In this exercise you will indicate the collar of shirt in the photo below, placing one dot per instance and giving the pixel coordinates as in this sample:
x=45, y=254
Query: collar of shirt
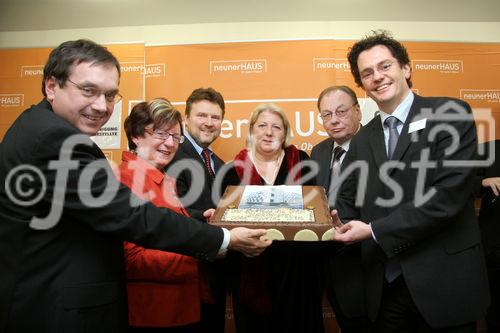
x=344, y=146
x=401, y=112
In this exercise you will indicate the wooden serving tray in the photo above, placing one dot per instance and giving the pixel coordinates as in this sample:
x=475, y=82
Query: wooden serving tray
x=314, y=200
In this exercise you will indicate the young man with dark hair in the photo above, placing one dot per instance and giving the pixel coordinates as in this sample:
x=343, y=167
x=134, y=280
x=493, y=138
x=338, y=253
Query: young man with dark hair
x=408, y=200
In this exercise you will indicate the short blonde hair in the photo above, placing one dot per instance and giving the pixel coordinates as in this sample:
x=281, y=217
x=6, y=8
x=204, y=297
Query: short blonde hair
x=273, y=108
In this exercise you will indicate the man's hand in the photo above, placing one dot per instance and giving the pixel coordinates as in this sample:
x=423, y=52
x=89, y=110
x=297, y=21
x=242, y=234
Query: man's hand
x=352, y=232
x=209, y=213
x=493, y=183
x=336, y=220
x=247, y=241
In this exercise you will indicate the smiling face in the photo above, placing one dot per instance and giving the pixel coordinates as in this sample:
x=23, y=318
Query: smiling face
x=383, y=78
x=88, y=114
x=341, y=128
x=204, y=122
x=158, y=152
x=268, y=133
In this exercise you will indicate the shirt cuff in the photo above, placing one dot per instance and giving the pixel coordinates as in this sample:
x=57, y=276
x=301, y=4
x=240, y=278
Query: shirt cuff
x=225, y=241
x=373, y=235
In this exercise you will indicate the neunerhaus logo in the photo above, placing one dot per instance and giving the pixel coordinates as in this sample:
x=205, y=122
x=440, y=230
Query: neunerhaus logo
x=151, y=70
x=487, y=95
x=155, y=70
x=441, y=66
x=239, y=66
x=11, y=100
x=132, y=67
x=35, y=70
x=330, y=64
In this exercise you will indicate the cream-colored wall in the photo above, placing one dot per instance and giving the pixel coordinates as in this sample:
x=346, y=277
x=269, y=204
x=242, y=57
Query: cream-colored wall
x=257, y=31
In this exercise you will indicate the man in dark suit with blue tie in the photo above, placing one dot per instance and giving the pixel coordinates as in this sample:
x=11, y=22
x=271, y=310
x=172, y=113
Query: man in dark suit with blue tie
x=205, y=110
x=339, y=109
x=408, y=200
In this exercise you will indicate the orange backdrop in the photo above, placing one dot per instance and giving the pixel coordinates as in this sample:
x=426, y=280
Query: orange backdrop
x=293, y=73
x=288, y=73
x=21, y=73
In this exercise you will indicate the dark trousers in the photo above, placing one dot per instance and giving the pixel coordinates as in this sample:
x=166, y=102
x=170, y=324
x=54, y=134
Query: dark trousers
x=358, y=324
x=191, y=328
x=493, y=314
x=213, y=315
x=344, y=272
x=399, y=314
x=279, y=291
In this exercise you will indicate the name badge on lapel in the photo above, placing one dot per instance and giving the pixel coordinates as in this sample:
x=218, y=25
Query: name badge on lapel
x=417, y=125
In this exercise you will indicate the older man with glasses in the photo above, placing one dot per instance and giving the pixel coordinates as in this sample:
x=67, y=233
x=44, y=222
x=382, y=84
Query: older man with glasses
x=339, y=109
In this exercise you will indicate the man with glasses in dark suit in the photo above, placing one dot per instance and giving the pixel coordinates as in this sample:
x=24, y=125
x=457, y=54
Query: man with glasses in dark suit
x=63, y=214
x=339, y=109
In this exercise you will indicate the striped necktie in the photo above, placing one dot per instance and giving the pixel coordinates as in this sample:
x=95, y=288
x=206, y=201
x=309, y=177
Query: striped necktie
x=335, y=168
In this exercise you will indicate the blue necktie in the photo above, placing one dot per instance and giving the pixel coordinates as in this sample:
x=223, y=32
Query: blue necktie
x=392, y=266
x=392, y=123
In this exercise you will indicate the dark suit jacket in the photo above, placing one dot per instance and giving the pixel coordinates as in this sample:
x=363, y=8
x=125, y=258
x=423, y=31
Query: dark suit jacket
x=188, y=159
x=437, y=243
x=322, y=154
x=214, y=272
x=343, y=271
x=70, y=278
x=490, y=204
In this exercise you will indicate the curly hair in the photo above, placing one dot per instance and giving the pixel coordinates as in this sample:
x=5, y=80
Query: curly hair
x=377, y=37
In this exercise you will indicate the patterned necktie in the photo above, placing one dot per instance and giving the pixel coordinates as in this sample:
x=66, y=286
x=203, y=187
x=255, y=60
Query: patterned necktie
x=335, y=168
x=206, y=159
x=392, y=123
x=337, y=154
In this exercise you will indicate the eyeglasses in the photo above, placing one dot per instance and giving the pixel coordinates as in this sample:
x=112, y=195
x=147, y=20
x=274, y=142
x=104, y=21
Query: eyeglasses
x=165, y=135
x=94, y=93
x=383, y=67
x=340, y=113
